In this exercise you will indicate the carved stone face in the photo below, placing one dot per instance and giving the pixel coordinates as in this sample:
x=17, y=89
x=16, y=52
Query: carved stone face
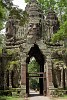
x=52, y=20
x=34, y=29
x=10, y=28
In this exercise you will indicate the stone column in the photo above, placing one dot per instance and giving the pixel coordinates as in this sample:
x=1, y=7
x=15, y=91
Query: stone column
x=23, y=74
x=66, y=77
x=5, y=80
x=48, y=31
x=49, y=75
x=62, y=78
x=23, y=79
x=10, y=84
x=4, y=62
x=51, y=31
x=1, y=75
x=47, y=80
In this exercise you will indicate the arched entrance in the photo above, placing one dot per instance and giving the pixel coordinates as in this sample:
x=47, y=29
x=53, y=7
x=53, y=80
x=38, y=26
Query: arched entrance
x=37, y=54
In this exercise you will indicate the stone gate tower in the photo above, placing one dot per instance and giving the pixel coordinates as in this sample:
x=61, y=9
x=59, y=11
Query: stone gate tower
x=38, y=32
x=33, y=43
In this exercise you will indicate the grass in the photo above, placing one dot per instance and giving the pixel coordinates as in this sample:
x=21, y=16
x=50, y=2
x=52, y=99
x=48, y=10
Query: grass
x=60, y=98
x=10, y=98
x=64, y=97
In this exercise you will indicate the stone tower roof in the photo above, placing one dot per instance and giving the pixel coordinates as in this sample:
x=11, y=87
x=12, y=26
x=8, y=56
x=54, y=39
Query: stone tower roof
x=52, y=20
x=36, y=17
x=51, y=15
x=34, y=10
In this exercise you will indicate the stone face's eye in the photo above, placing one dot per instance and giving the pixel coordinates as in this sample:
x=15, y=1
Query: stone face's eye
x=30, y=25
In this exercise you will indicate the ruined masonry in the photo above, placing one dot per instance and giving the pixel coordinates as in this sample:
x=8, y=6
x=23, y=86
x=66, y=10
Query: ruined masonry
x=33, y=40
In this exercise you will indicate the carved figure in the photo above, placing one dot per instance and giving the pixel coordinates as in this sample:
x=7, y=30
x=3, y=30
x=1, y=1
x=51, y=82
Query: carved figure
x=10, y=28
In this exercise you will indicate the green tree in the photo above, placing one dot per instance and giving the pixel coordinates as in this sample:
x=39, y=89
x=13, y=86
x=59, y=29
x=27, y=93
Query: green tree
x=45, y=4
x=2, y=15
x=59, y=6
x=5, y=5
x=2, y=38
x=19, y=14
x=62, y=9
x=61, y=34
x=6, y=8
x=33, y=66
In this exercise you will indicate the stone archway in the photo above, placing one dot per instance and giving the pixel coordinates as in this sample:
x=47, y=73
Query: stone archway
x=37, y=54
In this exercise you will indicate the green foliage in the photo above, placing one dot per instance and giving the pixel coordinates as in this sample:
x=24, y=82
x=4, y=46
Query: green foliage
x=58, y=92
x=12, y=64
x=12, y=51
x=19, y=14
x=45, y=4
x=13, y=61
x=34, y=83
x=61, y=34
x=59, y=6
x=10, y=98
x=0, y=51
x=7, y=4
x=4, y=5
x=2, y=39
x=33, y=66
x=27, y=1
x=65, y=57
x=2, y=15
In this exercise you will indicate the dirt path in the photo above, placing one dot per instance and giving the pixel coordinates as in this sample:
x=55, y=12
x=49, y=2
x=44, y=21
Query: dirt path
x=35, y=96
x=39, y=98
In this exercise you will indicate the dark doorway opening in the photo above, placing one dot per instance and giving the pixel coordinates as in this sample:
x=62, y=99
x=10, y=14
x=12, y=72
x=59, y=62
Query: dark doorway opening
x=37, y=54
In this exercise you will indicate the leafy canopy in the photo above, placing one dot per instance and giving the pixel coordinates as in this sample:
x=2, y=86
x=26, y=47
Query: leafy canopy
x=61, y=34
x=33, y=66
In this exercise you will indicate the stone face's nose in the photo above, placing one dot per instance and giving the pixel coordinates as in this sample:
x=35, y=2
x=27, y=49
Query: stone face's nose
x=34, y=26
